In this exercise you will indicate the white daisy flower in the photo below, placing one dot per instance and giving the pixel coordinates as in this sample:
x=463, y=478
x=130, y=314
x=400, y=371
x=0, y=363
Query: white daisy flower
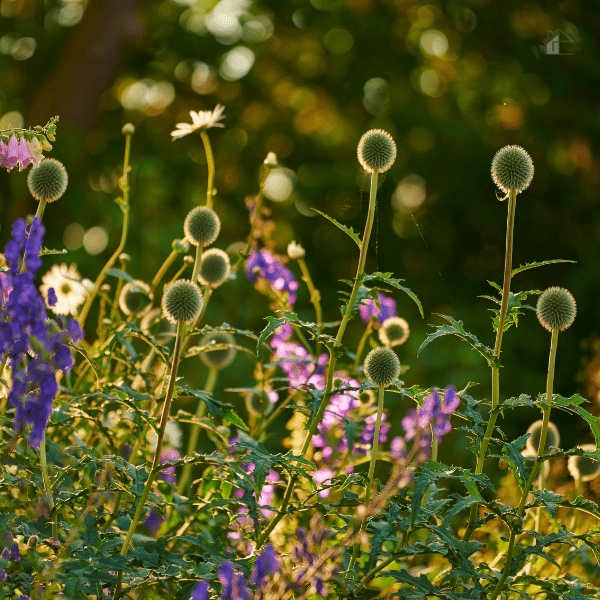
x=69, y=290
x=201, y=120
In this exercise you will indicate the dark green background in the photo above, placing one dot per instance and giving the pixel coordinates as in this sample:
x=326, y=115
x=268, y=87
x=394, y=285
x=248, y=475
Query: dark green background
x=305, y=102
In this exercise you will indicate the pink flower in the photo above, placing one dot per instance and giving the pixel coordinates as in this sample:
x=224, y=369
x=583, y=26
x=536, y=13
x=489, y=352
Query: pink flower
x=20, y=153
x=25, y=158
x=12, y=153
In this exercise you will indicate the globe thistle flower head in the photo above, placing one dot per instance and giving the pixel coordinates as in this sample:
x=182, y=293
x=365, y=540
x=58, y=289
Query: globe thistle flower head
x=382, y=366
x=556, y=309
x=393, y=332
x=582, y=467
x=512, y=169
x=202, y=226
x=181, y=301
x=376, y=151
x=533, y=442
x=135, y=298
x=47, y=180
x=214, y=268
x=221, y=357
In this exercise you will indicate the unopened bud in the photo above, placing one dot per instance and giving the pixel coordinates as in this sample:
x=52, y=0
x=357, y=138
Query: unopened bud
x=271, y=160
x=128, y=129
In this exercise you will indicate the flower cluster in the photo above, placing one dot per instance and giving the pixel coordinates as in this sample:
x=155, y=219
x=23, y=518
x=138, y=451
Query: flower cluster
x=25, y=330
x=234, y=585
x=20, y=152
x=279, y=276
x=368, y=308
x=434, y=414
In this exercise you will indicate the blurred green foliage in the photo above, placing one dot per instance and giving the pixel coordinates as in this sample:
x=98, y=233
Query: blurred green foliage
x=451, y=81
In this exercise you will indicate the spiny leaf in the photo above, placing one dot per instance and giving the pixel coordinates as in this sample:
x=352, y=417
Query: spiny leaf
x=347, y=230
x=539, y=264
x=457, y=328
x=387, y=278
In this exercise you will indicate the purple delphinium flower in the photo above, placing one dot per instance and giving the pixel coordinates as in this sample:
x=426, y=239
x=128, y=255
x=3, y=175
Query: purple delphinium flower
x=200, y=592
x=278, y=275
x=266, y=564
x=3, y=575
x=434, y=413
x=25, y=330
x=15, y=555
x=369, y=309
x=234, y=584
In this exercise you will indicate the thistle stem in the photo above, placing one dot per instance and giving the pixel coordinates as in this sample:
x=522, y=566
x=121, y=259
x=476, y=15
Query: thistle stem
x=363, y=340
x=47, y=486
x=125, y=208
x=536, y=465
x=210, y=161
x=510, y=226
x=163, y=268
x=374, y=449
x=159, y=443
x=332, y=358
x=211, y=380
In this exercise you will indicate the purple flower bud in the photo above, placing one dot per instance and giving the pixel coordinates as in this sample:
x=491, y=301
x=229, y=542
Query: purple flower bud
x=200, y=592
x=266, y=564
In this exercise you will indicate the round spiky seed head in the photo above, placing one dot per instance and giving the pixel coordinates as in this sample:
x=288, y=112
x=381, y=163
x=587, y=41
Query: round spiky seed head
x=222, y=357
x=135, y=297
x=393, y=332
x=376, y=151
x=556, y=309
x=214, y=268
x=382, y=366
x=201, y=226
x=582, y=467
x=181, y=301
x=512, y=169
x=533, y=442
x=47, y=180
x=152, y=324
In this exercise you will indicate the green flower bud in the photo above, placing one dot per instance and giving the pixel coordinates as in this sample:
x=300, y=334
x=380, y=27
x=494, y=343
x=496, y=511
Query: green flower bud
x=47, y=180
x=135, y=298
x=376, y=151
x=222, y=357
x=393, y=332
x=214, y=268
x=582, y=467
x=382, y=366
x=512, y=169
x=128, y=129
x=533, y=442
x=181, y=301
x=556, y=309
x=201, y=226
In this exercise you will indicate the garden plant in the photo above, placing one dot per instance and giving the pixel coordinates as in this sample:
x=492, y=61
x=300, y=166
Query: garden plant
x=105, y=494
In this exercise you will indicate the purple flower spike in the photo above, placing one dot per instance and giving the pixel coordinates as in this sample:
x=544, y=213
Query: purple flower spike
x=14, y=552
x=369, y=309
x=200, y=592
x=234, y=584
x=278, y=275
x=266, y=564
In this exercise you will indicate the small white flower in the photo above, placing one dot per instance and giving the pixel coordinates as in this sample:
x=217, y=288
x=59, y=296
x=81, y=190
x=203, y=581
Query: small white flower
x=271, y=159
x=172, y=436
x=295, y=251
x=69, y=290
x=201, y=120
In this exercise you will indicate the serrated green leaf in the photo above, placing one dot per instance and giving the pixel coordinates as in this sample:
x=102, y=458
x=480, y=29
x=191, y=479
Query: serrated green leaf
x=387, y=278
x=233, y=419
x=539, y=264
x=457, y=328
x=347, y=230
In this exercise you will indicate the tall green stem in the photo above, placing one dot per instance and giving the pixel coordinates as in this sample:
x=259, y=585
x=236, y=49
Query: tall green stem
x=332, y=358
x=159, y=444
x=210, y=161
x=195, y=431
x=124, y=183
x=536, y=465
x=374, y=449
x=512, y=203
x=47, y=486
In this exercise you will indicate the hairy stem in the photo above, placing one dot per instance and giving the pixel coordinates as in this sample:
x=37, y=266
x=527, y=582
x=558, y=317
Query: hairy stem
x=47, y=486
x=536, y=465
x=210, y=161
x=510, y=226
x=332, y=358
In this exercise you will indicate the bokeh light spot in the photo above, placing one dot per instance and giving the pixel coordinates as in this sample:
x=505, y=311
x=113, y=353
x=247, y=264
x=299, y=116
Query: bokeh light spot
x=280, y=184
x=236, y=63
x=410, y=193
x=338, y=41
x=95, y=240
x=73, y=236
x=434, y=42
